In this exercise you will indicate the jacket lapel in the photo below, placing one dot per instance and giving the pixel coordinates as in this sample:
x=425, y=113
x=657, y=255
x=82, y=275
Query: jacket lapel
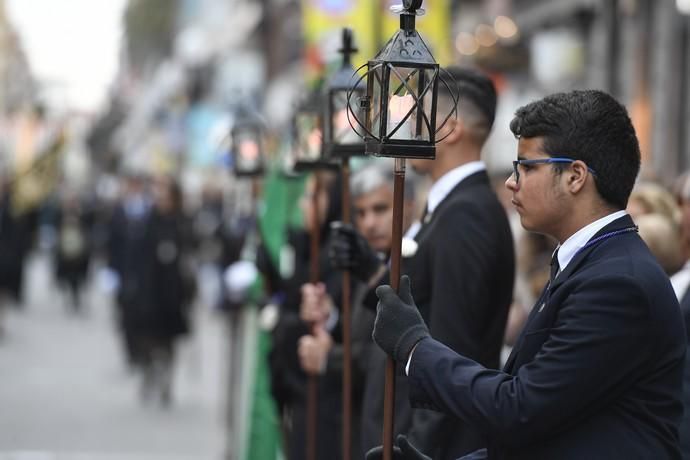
x=618, y=224
x=573, y=265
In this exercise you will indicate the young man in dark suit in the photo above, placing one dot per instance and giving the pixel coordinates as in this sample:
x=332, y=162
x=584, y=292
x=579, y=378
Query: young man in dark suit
x=597, y=371
x=463, y=266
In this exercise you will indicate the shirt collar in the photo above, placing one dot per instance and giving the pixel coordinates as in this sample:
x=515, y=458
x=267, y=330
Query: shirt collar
x=569, y=248
x=443, y=186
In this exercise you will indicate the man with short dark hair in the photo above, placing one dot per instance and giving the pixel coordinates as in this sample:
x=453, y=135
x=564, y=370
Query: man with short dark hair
x=597, y=370
x=462, y=261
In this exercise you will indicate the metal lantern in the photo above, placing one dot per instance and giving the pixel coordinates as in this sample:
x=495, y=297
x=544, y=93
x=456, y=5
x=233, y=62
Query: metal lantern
x=308, y=136
x=340, y=139
x=247, y=143
x=400, y=104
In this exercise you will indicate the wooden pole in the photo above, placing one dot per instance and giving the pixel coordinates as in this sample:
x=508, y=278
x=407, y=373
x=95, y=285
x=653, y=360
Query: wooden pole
x=347, y=325
x=389, y=396
x=313, y=382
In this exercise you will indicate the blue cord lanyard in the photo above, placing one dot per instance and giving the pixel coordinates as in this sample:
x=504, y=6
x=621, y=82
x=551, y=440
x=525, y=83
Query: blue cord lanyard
x=590, y=243
x=606, y=236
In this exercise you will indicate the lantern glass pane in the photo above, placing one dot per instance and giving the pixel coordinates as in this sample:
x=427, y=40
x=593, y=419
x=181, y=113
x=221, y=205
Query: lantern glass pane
x=309, y=136
x=410, y=108
x=248, y=151
x=375, y=90
x=343, y=134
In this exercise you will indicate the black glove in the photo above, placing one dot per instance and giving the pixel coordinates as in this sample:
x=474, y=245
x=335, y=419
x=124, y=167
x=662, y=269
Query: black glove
x=350, y=251
x=402, y=450
x=398, y=326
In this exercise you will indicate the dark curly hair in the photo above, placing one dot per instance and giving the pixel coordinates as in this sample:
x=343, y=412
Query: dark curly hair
x=591, y=126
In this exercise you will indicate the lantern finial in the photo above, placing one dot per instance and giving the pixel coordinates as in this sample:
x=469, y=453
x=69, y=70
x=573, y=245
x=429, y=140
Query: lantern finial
x=347, y=48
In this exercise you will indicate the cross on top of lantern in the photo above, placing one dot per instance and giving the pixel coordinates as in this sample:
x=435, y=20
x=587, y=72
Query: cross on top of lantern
x=340, y=139
x=400, y=105
x=247, y=142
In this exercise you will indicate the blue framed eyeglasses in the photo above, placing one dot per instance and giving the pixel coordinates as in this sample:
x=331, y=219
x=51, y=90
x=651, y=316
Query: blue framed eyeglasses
x=538, y=161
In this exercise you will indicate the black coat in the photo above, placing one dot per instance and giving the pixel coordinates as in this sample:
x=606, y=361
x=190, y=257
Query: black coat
x=155, y=287
x=16, y=234
x=462, y=278
x=596, y=373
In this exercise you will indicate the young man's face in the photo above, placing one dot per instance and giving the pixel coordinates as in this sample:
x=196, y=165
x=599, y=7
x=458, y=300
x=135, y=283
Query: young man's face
x=538, y=195
x=374, y=217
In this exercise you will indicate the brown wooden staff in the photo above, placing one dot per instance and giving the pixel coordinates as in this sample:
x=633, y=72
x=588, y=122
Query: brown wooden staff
x=347, y=325
x=396, y=249
x=313, y=381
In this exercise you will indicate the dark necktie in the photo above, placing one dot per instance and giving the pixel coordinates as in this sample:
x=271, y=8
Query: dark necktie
x=555, y=268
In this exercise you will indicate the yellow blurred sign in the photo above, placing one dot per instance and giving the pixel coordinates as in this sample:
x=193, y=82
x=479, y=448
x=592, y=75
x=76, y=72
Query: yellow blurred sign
x=323, y=21
x=373, y=24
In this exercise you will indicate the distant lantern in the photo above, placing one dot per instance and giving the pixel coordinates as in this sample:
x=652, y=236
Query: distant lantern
x=340, y=139
x=247, y=142
x=307, y=135
x=399, y=108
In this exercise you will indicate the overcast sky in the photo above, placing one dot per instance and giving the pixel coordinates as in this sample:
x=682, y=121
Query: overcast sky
x=72, y=45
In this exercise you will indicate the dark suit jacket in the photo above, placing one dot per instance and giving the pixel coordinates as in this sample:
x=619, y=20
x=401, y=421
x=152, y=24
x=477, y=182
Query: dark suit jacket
x=462, y=277
x=596, y=373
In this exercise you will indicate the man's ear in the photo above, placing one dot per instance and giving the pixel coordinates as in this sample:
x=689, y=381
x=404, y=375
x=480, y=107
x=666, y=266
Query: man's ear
x=452, y=131
x=578, y=176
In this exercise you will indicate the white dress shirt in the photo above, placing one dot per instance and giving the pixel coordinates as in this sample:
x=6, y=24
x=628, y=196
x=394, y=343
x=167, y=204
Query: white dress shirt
x=442, y=187
x=681, y=281
x=577, y=240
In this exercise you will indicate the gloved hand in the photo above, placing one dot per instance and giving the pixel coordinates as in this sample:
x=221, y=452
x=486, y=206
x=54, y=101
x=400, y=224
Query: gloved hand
x=402, y=450
x=350, y=251
x=398, y=325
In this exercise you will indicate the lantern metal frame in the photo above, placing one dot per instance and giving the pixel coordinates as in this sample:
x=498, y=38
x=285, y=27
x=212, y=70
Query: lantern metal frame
x=405, y=50
x=248, y=126
x=337, y=94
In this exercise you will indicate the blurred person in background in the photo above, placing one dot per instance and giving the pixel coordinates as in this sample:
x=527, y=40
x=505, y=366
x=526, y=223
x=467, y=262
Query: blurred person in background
x=126, y=244
x=16, y=237
x=653, y=198
x=663, y=239
x=681, y=286
x=73, y=246
x=461, y=258
x=656, y=212
x=290, y=287
x=167, y=289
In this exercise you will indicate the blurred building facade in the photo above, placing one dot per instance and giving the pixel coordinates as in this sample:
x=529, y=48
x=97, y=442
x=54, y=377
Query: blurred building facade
x=16, y=86
x=638, y=50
